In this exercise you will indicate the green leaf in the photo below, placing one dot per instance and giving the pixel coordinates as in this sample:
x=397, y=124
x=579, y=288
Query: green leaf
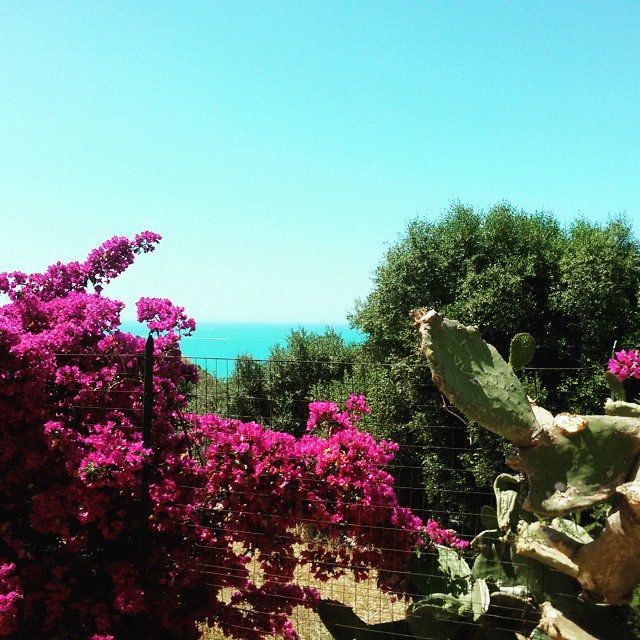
x=506, y=489
x=439, y=570
x=480, y=599
x=544, y=582
x=494, y=559
x=489, y=517
x=436, y=617
x=538, y=634
x=521, y=350
x=452, y=563
x=518, y=591
x=571, y=529
x=615, y=386
x=511, y=613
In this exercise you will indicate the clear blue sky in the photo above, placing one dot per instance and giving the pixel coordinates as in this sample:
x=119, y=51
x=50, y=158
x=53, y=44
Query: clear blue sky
x=279, y=147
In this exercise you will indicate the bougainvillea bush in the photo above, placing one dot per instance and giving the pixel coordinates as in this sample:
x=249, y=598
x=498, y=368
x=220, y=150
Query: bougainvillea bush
x=223, y=493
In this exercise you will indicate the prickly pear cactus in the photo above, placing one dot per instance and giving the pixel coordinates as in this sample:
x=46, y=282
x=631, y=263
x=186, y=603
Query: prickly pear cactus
x=570, y=462
x=521, y=351
x=473, y=375
x=503, y=596
x=615, y=386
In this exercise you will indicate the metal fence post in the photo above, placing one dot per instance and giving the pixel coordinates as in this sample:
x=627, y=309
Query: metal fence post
x=145, y=480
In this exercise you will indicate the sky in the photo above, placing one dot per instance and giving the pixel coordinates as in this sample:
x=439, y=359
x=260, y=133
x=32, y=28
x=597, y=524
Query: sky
x=281, y=147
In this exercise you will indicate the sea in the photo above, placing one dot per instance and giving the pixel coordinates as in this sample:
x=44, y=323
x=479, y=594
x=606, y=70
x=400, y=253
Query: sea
x=218, y=344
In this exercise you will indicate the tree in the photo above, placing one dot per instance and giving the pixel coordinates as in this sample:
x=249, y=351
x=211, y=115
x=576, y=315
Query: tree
x=277, y=392
x=509, y=271
x=574, y=289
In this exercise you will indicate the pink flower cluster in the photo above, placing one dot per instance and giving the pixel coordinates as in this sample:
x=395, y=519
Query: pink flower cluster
x=160, y=315
x=337, y=486
x=71, y=456
x=625, y=364
x=10, y=597
x=327, y=415
x=444, y=537
x=222, y=492
x=101, y=266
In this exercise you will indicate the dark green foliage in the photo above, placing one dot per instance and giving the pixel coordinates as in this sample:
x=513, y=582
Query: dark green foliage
x=304, y=370
x=208, y=395
x=490, y=270
x=597, y=292
x=574, y=290
x=276, y=392
x=247, y=396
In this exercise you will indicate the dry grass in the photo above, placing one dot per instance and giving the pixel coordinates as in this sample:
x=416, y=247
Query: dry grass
x=367, y=601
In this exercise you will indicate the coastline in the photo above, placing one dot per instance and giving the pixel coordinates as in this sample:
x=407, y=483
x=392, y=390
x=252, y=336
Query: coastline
x=226, y=341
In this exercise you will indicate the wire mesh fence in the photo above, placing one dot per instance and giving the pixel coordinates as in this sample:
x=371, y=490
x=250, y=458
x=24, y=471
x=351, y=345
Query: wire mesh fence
x=444, y=471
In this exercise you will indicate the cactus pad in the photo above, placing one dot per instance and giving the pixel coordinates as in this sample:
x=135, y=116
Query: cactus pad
x=570, y=463
x=615, y=386
x=621, y=408
x=580, y=469
x=521, y=351
x=475, y=378
x=506, y=489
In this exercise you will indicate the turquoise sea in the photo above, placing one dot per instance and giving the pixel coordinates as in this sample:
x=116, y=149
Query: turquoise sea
x=227, y=340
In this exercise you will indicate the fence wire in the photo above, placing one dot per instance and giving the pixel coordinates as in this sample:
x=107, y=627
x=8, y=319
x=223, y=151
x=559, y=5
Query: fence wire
x=438, y=472
x=443, y=471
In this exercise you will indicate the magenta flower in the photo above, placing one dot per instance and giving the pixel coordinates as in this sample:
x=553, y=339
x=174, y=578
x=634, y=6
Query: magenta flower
x=625, y=364
x=72, y=457
x=160, y=315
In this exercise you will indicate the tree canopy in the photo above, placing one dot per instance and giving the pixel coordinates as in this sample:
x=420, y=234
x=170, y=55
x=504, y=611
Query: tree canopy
x=574, y=289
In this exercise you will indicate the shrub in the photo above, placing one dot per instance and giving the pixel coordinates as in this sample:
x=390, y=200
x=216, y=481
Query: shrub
x=222, y=492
